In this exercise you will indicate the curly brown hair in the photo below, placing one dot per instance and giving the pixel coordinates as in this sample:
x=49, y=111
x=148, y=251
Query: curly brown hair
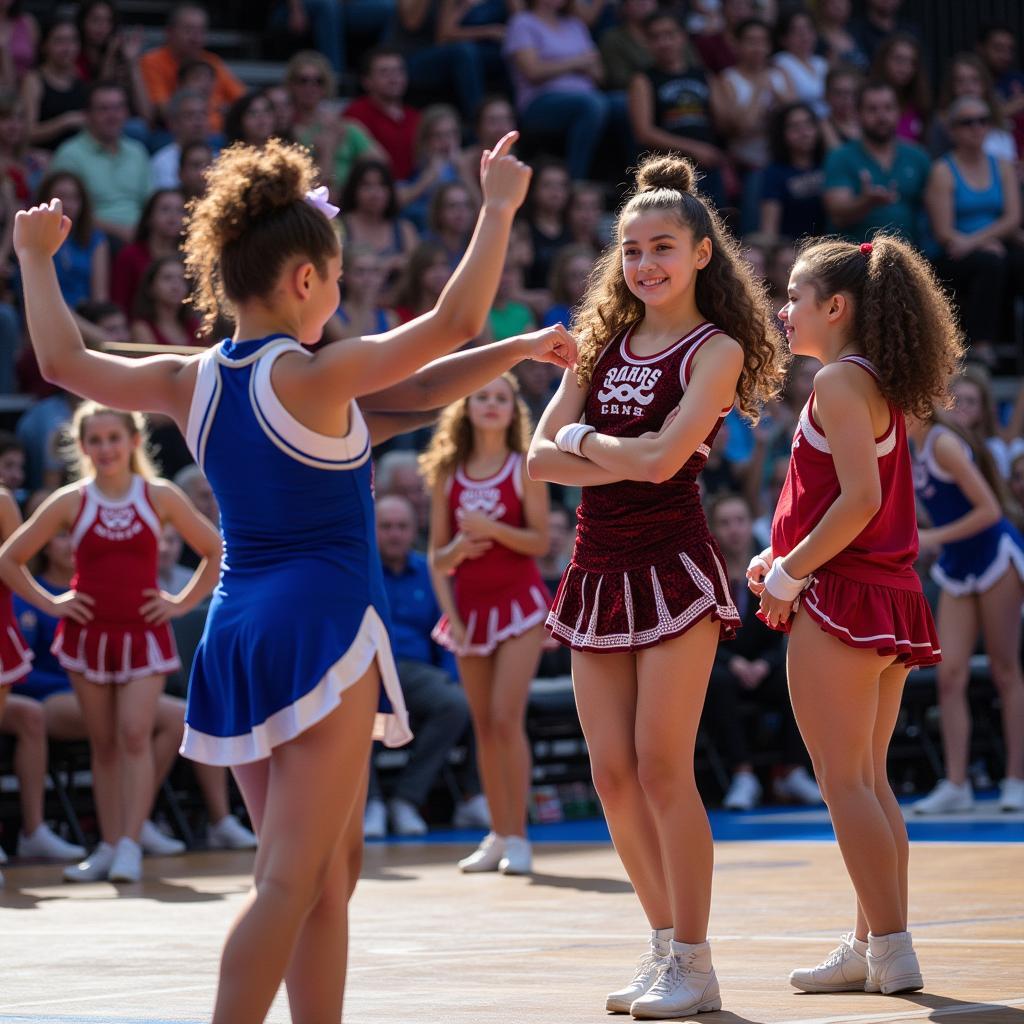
x=901, y=316
x=253, y=218
x=452, y=442
x=727, y=292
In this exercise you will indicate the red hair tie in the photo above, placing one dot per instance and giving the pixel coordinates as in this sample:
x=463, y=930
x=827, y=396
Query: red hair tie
x=865, y=247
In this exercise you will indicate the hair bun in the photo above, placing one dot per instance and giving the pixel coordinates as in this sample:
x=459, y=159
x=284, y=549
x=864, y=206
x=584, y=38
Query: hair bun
x=675, y=172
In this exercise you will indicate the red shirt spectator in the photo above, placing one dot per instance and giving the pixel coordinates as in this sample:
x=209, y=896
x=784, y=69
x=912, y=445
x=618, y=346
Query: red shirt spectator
x=383, y=112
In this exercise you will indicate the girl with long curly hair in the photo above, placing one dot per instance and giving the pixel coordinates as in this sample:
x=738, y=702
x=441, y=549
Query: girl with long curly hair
x=488, y=523
x=673, y=331
x=839, y=574
x=295, y=664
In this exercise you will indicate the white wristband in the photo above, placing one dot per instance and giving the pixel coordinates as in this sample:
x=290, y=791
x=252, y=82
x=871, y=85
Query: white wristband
x=780, y=584
x=569, y=437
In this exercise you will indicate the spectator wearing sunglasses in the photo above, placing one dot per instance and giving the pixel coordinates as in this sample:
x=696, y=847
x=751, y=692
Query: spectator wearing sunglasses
x=973, y=202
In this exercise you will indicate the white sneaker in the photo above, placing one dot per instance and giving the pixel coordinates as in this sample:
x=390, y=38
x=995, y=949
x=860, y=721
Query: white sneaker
x=845, y=969
x=1011, y=796
x=94, y=868
x=127, y=863
x=685, y=984
x=405, y=819
x=472, y=813
x=486, y=857
x=744, y=792
x=946, y=798
x=155, y=843
x=647, y=970
x=518, y=859
x=45, y=843
x=375, y=820
x=892, y=964
x=230, y=834
x=799, y=787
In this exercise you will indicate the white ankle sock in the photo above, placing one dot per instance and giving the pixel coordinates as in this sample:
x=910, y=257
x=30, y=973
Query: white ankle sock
x=661, y=939
x=702, y=960
x=859, y=946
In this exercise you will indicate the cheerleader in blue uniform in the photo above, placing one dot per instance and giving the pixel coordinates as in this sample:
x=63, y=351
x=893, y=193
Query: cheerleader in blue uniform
x=294, y=666
x=980, y=573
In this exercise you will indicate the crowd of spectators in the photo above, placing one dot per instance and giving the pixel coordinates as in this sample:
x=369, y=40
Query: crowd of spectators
x=801, y=121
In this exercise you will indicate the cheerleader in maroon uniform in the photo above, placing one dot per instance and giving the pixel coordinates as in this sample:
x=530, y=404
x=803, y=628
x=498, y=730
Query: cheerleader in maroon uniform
x=488, y=523
x=839, y=573
x=114, y=638
x=672, y=331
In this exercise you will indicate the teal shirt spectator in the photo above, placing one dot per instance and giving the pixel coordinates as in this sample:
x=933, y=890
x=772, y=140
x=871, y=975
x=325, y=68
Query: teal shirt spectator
x=908, y=174
x=118, y=181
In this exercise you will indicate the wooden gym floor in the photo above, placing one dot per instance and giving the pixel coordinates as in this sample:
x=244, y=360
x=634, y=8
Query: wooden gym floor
x=434, y=947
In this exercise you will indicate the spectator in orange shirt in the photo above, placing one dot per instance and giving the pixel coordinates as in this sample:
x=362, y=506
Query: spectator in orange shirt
x=186, y=36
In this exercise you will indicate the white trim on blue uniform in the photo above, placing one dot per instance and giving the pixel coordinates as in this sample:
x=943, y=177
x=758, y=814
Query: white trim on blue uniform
x=297, y=441
x=1008, y=555
x=371, y=642
x=203, y=408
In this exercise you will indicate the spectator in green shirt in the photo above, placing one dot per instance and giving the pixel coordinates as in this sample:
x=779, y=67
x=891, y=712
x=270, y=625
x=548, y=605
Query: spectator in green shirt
x=877, y=181
x=624, y=48
x=113, y=167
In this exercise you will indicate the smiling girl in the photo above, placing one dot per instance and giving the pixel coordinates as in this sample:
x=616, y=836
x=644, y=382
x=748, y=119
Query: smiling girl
x=839, y=575
x=673, y=331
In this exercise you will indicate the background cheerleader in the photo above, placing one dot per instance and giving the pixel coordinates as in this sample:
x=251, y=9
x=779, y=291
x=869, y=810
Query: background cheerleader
x=980, y=573
x=673, y=331
x=488, y=523
x=845, y=531
x=115, y=639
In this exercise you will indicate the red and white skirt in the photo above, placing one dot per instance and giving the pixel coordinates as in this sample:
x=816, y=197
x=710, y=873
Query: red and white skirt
x=493, y=618
x=891, y=620
x=113, y=653
x=15, y=656
x=637, y=608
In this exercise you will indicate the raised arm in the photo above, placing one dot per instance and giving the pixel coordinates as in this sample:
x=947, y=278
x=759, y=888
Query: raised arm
x=453, y=376
x=365, y=365
x=154, y=384
x=546, y=461
x=657, y=457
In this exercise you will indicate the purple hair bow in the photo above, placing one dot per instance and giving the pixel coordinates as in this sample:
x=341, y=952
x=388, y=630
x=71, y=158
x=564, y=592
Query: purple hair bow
x=318, y=197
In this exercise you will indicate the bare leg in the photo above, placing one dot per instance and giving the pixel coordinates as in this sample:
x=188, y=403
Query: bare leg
x=136, y=715
x=98, y=704
x=168, y=728
x=672, y=679
x=890, y=694
x=513, y=667
x=316, y=975
x=606, y=699
x=24, y=718
x=313, y=786
x=837, y=715
x=1001, y=628
x=958, y=624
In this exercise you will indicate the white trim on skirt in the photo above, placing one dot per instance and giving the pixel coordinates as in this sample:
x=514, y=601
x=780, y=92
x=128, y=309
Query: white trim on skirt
x=370, y=642
x=1008, y=554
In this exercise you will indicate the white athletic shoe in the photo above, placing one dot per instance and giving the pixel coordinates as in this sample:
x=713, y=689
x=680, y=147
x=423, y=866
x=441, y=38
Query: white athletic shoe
x=230, y=834
x=155, y=843
x=686, y=983
x=799, y=787
x=94, y=868
x=375, y=820
x=472, y=813
x=647, y=969
x=946, y=798
x=1011, y=795
x=127, y=863
x=405, y=819
x=518, y=859
x=892, y=964
x=486, y=857
x=45, y=843
x=744, y=792
x=845, y=969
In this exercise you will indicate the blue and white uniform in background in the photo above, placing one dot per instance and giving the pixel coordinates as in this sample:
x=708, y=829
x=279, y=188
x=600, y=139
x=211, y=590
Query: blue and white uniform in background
x=300, y=611
x=971, y=565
